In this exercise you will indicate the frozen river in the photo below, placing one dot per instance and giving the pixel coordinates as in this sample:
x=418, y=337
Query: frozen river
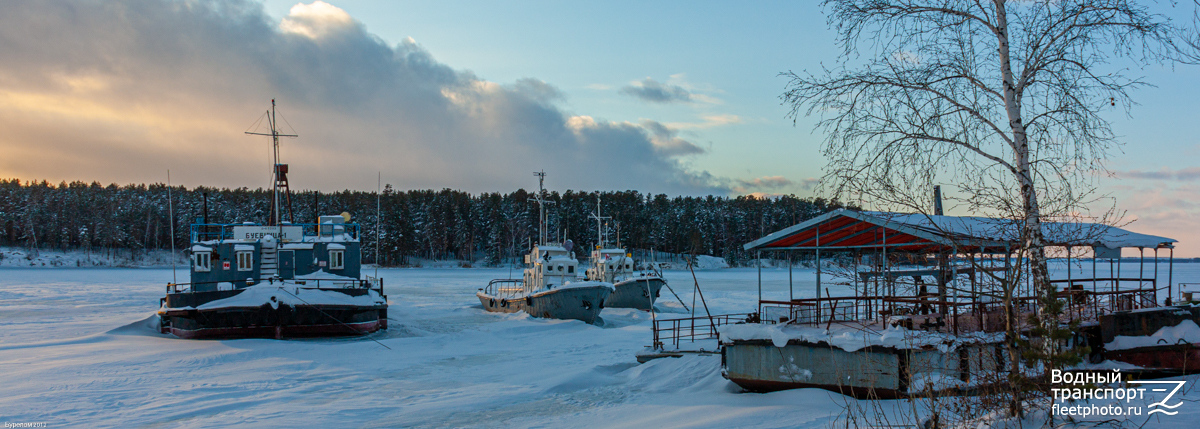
x=78, y=348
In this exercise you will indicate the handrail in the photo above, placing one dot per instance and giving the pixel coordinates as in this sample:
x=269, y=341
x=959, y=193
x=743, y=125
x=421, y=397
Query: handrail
x=355, y=283
x=1082, y=304
x=223, y=231
x=693, y=328
x=490, y=289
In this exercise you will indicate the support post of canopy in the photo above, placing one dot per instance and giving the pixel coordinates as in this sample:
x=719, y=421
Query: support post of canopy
x=1095, y=287
x=1171, y=273
x=1071, y=286
x=1168, y=301
x=758, y=262
x=1142, y=268
x=791, y=295
x=819, y=274
x=1118, y=285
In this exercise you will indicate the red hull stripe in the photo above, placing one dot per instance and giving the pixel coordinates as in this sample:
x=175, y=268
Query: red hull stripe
x=287, y=331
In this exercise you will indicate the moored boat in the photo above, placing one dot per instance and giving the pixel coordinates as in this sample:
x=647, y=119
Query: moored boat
x=550, y=287
x=632, y=288
x=274, y=280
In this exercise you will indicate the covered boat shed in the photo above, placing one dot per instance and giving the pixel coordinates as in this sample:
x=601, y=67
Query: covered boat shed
x=860, y=232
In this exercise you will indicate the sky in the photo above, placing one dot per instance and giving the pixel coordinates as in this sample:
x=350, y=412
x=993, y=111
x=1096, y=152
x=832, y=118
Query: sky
x=675, y=97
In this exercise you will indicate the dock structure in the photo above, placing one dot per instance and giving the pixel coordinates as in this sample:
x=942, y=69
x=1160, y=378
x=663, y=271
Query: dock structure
x=924, y=301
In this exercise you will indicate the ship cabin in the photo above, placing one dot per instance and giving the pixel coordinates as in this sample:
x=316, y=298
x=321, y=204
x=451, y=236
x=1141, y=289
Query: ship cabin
x=229, y=256
x=550, y=266
x=607, y=264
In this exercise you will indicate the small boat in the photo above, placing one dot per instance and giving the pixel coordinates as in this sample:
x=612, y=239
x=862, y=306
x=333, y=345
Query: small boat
x=632, y=288
x=274, y=280
x=550, y=287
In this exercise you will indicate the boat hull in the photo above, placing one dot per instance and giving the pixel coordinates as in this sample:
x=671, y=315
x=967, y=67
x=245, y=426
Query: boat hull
x=639, y=293
x=266, y=321
x=873, y=372
x=581, y=303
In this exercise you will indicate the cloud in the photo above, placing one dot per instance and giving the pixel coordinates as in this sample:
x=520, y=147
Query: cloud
x=1168, y=211
x=121, y=91
x=656, y=92
x=744, y=186
x=708, y=121
x=667, y=142
x=1185, y=174
x=317, y=20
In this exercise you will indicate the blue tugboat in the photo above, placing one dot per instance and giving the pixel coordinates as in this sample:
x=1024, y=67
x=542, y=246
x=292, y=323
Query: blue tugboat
x=275, y=280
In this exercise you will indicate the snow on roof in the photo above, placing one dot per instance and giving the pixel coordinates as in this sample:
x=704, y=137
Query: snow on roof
x=323, y=275
x=260, y=294
x=243, y=247
x=335, y=246
x=330, y=238
x=845, y=228
x=297, y=246
x=199, y=248
x=576, y=285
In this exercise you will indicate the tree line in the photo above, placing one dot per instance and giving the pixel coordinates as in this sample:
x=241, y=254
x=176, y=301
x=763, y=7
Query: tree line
x=428, y=224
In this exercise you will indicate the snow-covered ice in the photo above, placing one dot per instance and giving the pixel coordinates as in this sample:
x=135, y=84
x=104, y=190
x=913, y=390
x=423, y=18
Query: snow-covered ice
x=78, y=348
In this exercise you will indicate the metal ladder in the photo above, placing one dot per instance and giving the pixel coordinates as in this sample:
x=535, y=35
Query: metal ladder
x=270, y=262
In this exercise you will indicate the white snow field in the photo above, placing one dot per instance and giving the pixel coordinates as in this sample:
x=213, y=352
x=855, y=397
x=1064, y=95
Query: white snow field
x=78, y=347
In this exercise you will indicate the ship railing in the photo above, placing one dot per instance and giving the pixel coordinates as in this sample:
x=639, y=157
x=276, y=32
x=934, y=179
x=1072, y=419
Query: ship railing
x=368, y=283
x=1106, y=294
x=673, y=331
x=502, y=288
x=957, y=315
x=926, y=311
x=201, y=232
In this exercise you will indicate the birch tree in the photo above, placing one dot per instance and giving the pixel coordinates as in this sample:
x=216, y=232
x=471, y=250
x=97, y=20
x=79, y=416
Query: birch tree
x=1005, y=99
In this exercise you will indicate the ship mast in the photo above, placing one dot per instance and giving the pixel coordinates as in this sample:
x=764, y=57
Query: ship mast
x=599, y=224
x=541, y=175
x=278, y=171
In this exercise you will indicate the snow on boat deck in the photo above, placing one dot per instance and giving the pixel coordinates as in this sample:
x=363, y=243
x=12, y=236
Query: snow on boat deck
x=78, y=348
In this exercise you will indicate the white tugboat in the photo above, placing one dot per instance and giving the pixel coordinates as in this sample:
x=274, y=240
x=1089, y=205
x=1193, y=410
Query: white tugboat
x=550, y=287
x=632, y=288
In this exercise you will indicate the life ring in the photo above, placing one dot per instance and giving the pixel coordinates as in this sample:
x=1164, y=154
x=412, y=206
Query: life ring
x=492, y=303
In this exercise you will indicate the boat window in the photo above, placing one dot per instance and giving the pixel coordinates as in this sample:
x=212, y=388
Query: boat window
x=337, y=259
x=560, y=268
x=570, y=269
x=202, y=261
x=245, y=261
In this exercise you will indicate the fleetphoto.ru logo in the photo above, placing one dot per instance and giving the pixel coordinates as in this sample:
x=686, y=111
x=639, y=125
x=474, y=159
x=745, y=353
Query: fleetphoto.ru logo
x=1168, y=387
x=1127, y=401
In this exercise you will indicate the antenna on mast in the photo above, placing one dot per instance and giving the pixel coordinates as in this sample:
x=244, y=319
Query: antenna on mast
x=279, y=171
x=378, y=196
x=599, y=223
x=541, y=175
x=171, y=212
